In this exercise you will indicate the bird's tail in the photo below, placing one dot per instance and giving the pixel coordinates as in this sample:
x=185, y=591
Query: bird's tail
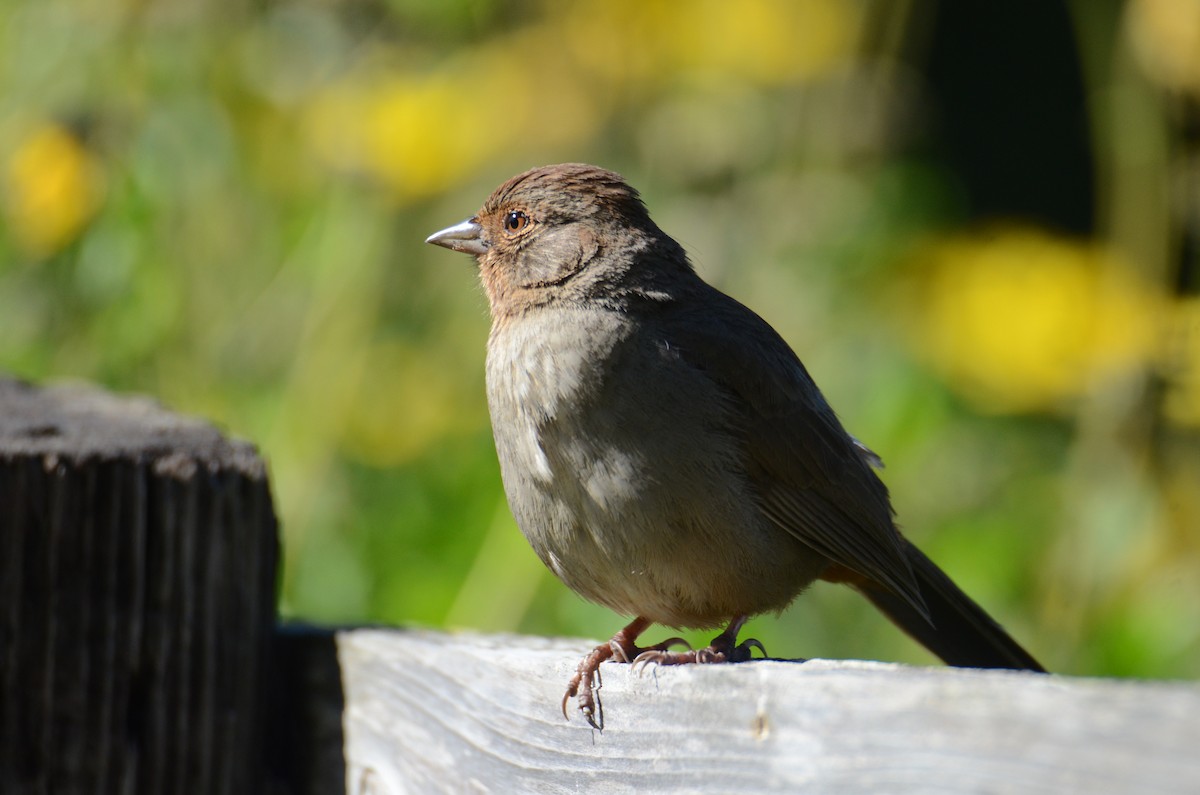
x=957, y=629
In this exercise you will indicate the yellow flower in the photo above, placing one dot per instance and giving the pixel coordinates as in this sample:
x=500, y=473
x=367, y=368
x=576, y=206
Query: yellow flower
x=1020, y=320
x=550, y=84
x=420, y=133
x=634, y=43
x=767, y=41
x=52, y=189
x=1166, y=41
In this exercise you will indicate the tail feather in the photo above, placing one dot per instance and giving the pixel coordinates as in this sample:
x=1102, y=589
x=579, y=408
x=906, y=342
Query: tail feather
x=957, y=630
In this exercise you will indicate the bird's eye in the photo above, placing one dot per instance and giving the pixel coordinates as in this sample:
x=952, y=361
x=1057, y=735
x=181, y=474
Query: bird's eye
x=515, y=221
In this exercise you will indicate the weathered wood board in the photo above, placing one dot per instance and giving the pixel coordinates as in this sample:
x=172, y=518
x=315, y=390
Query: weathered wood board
x=430, y=712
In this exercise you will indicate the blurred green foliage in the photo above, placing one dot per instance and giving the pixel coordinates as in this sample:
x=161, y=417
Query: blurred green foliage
x=223, y=205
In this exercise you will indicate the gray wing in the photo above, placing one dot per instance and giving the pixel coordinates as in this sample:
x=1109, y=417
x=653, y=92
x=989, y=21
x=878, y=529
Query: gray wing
x=813, y=479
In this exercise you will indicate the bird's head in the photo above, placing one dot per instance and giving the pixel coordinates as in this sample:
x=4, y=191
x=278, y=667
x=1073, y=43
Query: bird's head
x=561, y=233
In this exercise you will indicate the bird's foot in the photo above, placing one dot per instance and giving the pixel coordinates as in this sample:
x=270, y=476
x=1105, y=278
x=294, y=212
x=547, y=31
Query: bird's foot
x=714, y=653
x=587, y=681
x=724, y=648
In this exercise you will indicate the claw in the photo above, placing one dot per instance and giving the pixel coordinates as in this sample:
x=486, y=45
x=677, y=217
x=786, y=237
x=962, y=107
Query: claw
x=618, y=651
x=658, y=657
x=668, y=643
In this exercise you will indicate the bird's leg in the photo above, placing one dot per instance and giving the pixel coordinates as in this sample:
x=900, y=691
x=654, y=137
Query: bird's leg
x=724, y=648
x=623, y=648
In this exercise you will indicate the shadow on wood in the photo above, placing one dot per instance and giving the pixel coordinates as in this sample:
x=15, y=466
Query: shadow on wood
x=304, y=731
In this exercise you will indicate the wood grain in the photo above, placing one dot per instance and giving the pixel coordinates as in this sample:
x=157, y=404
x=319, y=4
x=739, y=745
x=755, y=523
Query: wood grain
x=430, y=712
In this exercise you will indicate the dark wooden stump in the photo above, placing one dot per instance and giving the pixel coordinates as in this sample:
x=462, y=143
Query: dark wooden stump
x=138, y=552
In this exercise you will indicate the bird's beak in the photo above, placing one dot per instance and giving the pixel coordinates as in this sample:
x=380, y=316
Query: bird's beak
x=466, y=237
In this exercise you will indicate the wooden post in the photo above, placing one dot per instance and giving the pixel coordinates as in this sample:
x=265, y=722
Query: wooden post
x=138, y=552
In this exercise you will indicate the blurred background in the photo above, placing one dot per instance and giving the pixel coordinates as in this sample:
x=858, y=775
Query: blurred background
x=977, y=223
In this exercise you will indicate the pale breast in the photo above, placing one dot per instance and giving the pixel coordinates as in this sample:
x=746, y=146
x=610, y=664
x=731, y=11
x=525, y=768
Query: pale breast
x=623, y=469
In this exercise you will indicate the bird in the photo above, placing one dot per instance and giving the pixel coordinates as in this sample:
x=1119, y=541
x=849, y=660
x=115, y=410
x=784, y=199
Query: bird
x=665, y=452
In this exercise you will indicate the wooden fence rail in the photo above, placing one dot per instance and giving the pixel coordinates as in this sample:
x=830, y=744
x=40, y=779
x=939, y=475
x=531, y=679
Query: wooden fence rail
x=424, y=710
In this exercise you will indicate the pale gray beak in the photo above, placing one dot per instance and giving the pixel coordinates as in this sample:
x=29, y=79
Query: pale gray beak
x=464, y=237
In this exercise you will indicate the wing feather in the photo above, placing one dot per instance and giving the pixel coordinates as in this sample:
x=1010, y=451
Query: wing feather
x=813, y=479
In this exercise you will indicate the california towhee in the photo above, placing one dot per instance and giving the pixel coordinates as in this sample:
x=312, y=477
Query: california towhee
x=664, y=451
